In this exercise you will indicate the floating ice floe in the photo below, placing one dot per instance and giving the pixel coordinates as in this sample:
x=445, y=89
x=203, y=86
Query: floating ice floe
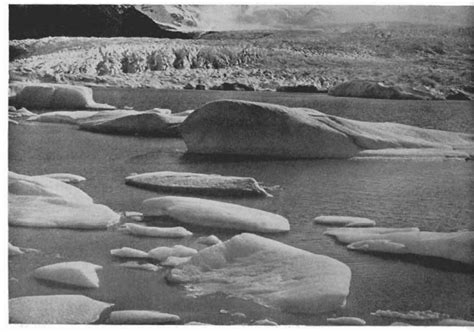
x=133, y=215
x=344, y=221
x=215, y=214
x=141, y=317
x=55, y=309
x=455, y=246
x=172, y=232
x=173, y=261
x=138, y=266
x=54, y=96
x=268, y=272
x=346, y=321
x=261, y=129
x=162, y=253
x=14, y=250
x=65, y=177
x=456, y=322
x=39, y=201
x=81, y=274
x=208, y=240
x=411, y=315
x=128, y=253
x=265, y=322
x=204, y=184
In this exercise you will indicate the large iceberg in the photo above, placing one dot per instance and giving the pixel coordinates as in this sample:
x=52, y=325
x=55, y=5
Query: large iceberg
x=268, y=272
x=205, y=184
x=211, y=213
x=260, y=129
x=55, y=309
x=457, y=246
x=37, y=201
x=141, y=317
x=55, y=96
x=68, y=117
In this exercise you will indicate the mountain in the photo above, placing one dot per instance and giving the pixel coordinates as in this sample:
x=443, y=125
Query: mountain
x=37, y=21
x=248, y=17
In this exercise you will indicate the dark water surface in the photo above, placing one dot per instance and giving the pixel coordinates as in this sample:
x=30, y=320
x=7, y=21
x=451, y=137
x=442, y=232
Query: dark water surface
x=432, y=195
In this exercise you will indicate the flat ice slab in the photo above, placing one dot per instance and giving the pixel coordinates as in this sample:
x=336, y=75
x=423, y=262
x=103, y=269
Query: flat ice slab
x=141, y=317
x=55, y=309
x=196, y=183
x=268, y=272
x=211, y=213
x=344, y=221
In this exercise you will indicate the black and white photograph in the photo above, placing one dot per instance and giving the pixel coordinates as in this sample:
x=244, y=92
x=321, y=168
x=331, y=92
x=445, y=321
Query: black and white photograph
x=257, y=164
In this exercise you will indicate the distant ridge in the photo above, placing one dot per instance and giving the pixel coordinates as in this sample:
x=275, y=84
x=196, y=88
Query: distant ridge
x=37, y=21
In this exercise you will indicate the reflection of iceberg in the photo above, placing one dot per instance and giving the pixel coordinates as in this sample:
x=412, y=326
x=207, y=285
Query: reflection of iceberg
x=38, y=201
x=261, y=129
x=269, y=272
x=457, y=246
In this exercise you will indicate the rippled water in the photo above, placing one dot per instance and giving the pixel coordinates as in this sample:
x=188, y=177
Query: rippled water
x=431, y=195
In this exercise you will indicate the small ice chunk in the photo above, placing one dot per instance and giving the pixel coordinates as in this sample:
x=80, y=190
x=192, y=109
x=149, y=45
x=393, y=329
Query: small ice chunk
x=196, y=323
x=138, y=266
x=129, y=253
x=265, y=322
x=162, y=253
x=456, y=322
x=400, y=324
x=379, y=245
x=133, y=215
x=224, y=311
x=238, y=314
x=344, y=221
x=173, y=261
x=55, y=309
x=173, y=232
x=14, y=250
x=208, y=240
x=82, y=274
x=65, y=177
x=346, y=321
x=412, y=315
x=141, y=317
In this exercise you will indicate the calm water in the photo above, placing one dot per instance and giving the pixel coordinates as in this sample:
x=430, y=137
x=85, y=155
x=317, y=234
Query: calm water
x=434, y=196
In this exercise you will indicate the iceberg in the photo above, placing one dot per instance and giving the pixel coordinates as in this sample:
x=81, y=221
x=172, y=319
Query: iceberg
x=261, y=129
x=456, y=322
x=172, y=261
x=55, y=96
x=128, y=253
x=173, y=232
x=80, y=274
x=40, y=201
x=195, y=183
x=344, y=221
x=215, y=214
x=55, y=309
x=456, y=246
x=141, y=317
x=268, y=272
